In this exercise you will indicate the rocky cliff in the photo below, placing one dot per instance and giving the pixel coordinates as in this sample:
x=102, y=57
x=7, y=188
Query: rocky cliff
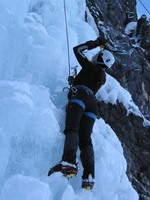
x=130, y=40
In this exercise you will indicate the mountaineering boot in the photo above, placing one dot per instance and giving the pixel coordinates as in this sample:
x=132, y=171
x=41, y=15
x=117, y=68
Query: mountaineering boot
x=56, y=168
x=88, y=183
x=67, y=169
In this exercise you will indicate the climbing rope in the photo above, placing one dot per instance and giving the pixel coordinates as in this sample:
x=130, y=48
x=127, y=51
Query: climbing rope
x=67, y=38
x=144, y=7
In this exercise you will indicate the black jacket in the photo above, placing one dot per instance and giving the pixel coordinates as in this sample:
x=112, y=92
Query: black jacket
x=91, y=75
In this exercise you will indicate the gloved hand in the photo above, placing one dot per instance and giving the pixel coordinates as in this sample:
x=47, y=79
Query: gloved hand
x=70, y=80
x=91, y=44
x=100, y=41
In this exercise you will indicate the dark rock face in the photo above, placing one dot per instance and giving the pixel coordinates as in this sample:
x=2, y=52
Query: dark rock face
x=132, y=67
x=135, y=141
x=131, y=49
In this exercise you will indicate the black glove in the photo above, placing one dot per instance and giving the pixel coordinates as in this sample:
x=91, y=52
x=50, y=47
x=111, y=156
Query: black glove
x=100, y=41
x=91, y=44
x=70, y=80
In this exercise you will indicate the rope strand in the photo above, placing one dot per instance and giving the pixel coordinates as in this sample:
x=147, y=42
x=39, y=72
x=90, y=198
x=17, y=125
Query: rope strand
x=144, y=6
x=67, y=40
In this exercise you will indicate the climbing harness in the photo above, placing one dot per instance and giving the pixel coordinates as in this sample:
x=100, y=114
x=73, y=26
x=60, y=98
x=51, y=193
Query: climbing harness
x=74, y=90
x=86, y=89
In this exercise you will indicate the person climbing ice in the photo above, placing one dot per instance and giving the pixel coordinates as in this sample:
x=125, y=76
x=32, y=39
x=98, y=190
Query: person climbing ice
x=82, y=110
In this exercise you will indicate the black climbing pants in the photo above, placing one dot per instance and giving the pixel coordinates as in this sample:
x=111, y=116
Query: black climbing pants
x=80, y=117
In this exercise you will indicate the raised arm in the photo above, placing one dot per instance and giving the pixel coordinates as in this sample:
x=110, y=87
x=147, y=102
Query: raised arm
x=79, y=53
x=79, y=50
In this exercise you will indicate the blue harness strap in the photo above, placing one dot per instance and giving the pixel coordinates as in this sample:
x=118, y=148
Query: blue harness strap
x=79, y=102
x=88, y=90
x=82, y=105
x=91, y=115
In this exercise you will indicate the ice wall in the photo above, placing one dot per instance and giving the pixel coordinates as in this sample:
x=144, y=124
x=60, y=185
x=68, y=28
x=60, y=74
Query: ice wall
x=33, y=73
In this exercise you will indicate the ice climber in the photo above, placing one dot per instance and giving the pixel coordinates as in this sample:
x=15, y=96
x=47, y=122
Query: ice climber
x=82, y=111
